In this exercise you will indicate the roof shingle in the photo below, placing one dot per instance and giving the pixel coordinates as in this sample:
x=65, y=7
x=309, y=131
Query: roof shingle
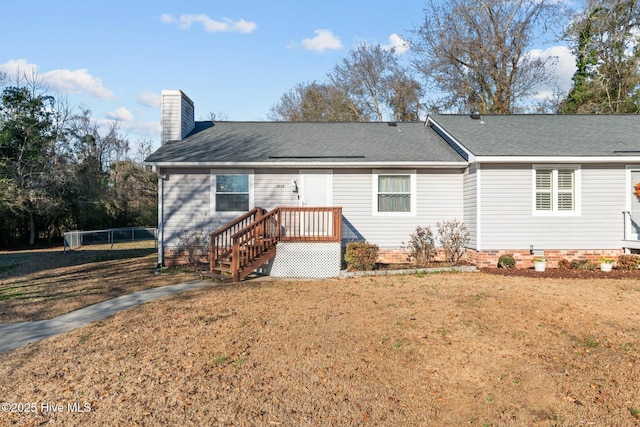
x=274, y=142
x=546, y=135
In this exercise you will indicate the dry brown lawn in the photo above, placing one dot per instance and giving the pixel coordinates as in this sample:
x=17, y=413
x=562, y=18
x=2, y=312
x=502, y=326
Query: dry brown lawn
x=418, y=350
x=45, y=283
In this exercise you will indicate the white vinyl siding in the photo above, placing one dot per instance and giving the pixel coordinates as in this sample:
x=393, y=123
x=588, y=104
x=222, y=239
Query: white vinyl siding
x=439, y=197
x=471, y=178
x=177, y=115
x=186, y=203
x=509, y=219
x=273, y=187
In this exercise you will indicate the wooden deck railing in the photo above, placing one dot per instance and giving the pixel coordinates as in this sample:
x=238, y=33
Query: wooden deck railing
x=250, y=244
x=221, y=242
x=310, y=224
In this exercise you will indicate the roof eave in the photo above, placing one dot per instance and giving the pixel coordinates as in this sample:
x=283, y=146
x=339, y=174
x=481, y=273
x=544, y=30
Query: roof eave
x=398, y=164
x=557, y=159
x=453, y=142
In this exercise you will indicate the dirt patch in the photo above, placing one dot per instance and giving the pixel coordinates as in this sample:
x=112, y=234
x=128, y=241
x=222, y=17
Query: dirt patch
x=446, y=349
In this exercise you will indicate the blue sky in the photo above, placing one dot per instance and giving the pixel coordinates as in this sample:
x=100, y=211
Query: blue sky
x=232, y=57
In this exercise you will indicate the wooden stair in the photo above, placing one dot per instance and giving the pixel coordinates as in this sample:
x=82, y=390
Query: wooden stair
x=244, y=244
x=224, y=272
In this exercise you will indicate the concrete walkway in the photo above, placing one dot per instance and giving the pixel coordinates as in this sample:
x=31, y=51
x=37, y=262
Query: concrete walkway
x=14, y=335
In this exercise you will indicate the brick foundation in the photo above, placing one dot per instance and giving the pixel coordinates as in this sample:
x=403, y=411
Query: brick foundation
x=400, y=256
x=523, y=256
x=174, y=258
x=393, y=256
x=480, y=259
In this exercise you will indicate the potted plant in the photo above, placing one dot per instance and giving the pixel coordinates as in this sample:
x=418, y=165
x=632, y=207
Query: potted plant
x=606, y=264
x=539, y=263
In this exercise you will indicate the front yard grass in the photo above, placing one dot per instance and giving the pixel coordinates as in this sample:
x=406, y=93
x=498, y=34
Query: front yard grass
x=431, y=350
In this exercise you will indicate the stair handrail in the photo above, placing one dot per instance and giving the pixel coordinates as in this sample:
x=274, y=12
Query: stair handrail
x=255, y=238
x=221, y=242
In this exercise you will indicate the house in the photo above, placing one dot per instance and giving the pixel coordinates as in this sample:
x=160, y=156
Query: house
x=558, y=185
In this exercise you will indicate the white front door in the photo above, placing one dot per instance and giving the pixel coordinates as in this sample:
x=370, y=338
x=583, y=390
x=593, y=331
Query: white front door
x=315, y=187
x=315, y=191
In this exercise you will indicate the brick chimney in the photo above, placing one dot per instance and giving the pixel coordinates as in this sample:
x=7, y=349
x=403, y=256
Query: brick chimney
x=177, y=115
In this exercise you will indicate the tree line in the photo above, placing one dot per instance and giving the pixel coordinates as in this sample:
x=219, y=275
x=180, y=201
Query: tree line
x=60, y=171
x=475, y=56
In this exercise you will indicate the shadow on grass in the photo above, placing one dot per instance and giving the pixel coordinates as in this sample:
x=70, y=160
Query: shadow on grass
x=41, y=284
x=32, y=262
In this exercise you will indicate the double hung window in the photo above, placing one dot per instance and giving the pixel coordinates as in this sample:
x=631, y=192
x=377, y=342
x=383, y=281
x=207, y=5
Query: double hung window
x=556, y=190
x=232, y=192
x=394, y=192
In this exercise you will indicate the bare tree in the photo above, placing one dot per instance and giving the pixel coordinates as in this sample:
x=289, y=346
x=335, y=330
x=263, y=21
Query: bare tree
x=475, y=52
x=133, y=192
x=404, y=96
x=605, y=38
x=94, y=152
x=92, y=144
x=367, y=85
x=220, y=116
x=316, y=102
x=372, y=77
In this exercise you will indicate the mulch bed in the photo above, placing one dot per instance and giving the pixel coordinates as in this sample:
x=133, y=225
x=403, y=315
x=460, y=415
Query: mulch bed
x=549, y=273
x=556, y=273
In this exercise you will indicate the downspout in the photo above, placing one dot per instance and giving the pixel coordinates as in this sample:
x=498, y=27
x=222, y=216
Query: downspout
x=160, y=221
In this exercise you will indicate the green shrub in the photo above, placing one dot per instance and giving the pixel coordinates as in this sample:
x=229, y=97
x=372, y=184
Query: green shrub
x=361, y=256
x=628, y=262
x=583, y=264
x=506, y=261
x=421, y=246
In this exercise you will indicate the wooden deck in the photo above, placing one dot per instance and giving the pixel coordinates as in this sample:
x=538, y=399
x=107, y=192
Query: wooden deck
x=247, y=242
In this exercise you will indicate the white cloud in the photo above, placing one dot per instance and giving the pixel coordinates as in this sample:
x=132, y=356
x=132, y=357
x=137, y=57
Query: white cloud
x=18, y=68
x=149, y=99
x=63, y=81
x=398, y=43
x=565, y=66
x=76, y=81
x=226, y=25
x=120, y=114
x=323, y=40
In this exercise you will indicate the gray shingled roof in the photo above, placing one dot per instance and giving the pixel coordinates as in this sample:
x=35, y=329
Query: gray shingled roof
x=278, y=142
x=546, y=135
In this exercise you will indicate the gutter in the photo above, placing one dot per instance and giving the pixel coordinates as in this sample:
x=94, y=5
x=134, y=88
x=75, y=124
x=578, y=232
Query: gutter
x=404, y=164
x=557, y=159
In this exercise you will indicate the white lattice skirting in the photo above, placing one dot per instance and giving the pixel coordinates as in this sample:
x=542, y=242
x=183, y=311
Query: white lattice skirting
x=302, y=259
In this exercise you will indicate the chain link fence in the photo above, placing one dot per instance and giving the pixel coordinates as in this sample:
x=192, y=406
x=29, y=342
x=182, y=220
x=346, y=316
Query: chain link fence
x=76, y=239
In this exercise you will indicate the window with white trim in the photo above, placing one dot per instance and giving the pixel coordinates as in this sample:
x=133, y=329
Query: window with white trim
x=556, y=190
x=231, y=193
x=394, y=192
